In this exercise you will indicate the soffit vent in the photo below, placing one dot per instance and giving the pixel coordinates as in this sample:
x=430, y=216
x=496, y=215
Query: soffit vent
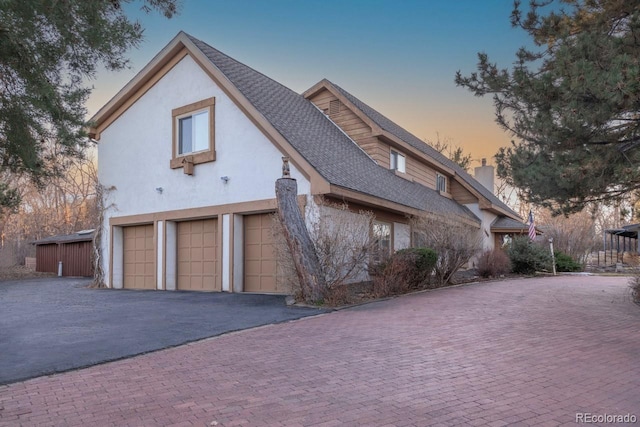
x=334, y=107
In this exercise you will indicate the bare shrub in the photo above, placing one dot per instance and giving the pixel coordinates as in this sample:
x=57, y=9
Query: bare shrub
x=493, y=263
x=634, y=284
x=404, y=271
x=336, y=296
x=454, y=241
x=342, y=242
x=286, y=275
x=342, y=239
x=574, y=235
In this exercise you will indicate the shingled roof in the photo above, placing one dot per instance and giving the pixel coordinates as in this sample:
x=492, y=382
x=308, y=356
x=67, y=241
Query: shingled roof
x=402, y=134
x=322, y=143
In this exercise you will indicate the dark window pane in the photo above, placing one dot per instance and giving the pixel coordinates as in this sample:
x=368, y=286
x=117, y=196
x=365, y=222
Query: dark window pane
x=186, y=137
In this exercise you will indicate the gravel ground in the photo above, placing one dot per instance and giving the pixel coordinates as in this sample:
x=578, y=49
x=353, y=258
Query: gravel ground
x=18, y=272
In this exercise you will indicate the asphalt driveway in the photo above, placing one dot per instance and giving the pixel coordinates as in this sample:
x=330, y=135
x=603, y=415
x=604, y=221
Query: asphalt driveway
x=57, y=324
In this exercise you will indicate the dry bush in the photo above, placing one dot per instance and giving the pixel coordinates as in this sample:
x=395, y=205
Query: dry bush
x=574, y=235
x=631, y=258
x=286, y=275
x=336, y=296
x=634, y=284
x=342, y=239
x=404, y=271
x=342, y=242
x=493, y=263
x=454, y=241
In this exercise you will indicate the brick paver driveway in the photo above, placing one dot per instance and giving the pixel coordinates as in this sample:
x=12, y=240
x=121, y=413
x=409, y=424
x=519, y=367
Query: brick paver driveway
x=528, y=352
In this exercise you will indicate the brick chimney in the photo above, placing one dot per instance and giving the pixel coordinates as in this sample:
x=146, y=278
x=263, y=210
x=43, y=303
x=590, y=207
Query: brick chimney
x=485, y=175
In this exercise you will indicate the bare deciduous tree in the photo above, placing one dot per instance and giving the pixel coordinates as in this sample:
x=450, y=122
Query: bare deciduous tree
x=66, y=203
x=575, y=235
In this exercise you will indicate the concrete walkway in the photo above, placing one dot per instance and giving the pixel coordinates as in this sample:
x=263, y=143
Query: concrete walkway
x=521, y=352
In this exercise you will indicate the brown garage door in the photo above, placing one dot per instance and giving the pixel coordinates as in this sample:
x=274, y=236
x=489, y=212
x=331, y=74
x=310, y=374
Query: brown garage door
x=259, y=255
x=139, y=257
x=198, y=255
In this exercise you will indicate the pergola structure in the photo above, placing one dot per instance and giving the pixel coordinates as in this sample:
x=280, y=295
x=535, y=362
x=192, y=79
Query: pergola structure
x=620, y=240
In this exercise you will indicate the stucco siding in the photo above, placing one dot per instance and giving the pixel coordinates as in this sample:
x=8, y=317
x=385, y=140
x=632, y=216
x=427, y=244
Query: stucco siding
x=134, y=154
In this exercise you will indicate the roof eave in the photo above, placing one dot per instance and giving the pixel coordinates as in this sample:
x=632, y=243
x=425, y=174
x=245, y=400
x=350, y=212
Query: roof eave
x=373, y=201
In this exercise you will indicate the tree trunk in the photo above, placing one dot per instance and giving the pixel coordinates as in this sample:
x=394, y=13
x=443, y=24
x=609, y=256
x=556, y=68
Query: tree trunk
x=304, y=255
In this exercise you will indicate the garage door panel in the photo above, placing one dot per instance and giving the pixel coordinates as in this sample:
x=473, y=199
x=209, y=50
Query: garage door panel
x=253, y=234
x=267, y=283
x=259, y=255
x=139, y=257
x=209, y=240
x=197, y=255
x=209, y=253
x=253, y=251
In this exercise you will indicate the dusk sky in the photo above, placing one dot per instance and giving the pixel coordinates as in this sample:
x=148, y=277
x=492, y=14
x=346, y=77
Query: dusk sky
x=398, y=56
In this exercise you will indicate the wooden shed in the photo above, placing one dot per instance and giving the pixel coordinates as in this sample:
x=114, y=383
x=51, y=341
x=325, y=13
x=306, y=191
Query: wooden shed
x=73, y=250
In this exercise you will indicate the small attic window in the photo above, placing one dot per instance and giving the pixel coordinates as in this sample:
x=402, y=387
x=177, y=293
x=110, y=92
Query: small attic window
x=441, y=183
x=334, y=107
x=397, y=162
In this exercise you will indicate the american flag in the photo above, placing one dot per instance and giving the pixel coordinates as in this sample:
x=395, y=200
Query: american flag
x=532, y=226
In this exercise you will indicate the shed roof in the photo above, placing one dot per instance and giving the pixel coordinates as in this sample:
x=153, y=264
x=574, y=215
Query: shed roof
x=80, y=236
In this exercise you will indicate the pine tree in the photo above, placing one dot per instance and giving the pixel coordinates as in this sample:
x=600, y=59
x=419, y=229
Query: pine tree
x=572, y=102
x=48, y=48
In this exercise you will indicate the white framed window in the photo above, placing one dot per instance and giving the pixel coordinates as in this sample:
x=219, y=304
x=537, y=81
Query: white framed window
x=193, y=134
x=398, y=162
x=441, y=183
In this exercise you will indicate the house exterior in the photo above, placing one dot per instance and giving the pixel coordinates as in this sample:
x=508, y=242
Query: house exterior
x=190, y=150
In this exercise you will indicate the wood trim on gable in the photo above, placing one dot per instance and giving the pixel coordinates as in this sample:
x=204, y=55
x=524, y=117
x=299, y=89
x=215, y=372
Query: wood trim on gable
x=139, y=86
x=397, y=143
x=173, y=53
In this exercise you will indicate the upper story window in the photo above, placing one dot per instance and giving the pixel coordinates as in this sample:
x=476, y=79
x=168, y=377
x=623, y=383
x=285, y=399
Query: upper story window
x=193, y=135
x=397, y=162
x=441, y=183
x=193, y=132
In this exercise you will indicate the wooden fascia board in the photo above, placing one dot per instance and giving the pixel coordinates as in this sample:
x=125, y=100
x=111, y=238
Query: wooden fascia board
x=375, y=128
x=483, y=202
x=162, y=63
x=509, y=230
x=504, y=212
x=318, y=183
x=325, y=84
x=315, y=89
x=166, y=59
x=368, y=200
